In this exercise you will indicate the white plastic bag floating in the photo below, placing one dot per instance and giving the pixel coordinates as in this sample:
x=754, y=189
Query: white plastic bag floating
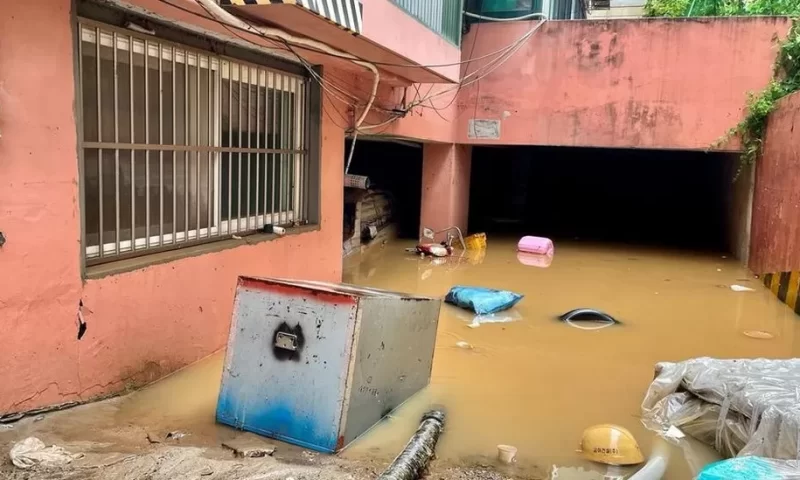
x=475, y=321
x=32, y=452
x=741, y=288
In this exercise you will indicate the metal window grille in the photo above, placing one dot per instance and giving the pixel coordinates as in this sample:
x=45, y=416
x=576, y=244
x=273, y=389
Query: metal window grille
x=179, y=146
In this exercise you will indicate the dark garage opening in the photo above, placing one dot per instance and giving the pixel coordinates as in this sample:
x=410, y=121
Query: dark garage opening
x=645, y=197
x=395, y=172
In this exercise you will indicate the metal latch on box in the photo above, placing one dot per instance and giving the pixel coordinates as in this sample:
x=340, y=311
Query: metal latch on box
x=286, y=341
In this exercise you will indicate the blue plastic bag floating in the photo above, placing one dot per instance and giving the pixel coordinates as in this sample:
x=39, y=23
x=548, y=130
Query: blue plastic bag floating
x=481, y=300
x=751, y=468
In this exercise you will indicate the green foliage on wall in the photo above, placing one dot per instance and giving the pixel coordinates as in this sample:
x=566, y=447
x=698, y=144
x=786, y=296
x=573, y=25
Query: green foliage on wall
x=785, y=81
x=666, y=8
x=704, y=8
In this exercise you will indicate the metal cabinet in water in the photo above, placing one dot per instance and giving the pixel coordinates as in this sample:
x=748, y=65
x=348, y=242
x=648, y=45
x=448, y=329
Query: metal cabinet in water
x=317, y=364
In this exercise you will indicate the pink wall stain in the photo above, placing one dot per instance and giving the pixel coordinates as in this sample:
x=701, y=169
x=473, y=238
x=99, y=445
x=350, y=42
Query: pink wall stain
x=141, y=324
x=621, y=83
x=775, y=237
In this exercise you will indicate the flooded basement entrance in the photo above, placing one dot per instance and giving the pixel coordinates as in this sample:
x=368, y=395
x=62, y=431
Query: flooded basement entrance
x=537, y=383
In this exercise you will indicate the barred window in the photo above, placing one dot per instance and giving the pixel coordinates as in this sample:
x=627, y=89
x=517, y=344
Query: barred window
x=181, y=146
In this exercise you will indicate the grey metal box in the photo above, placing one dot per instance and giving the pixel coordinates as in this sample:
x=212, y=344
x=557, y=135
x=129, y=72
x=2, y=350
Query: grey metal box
x=317, y=364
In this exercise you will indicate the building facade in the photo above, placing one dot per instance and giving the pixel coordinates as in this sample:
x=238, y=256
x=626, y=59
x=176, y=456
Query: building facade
x=145, y=144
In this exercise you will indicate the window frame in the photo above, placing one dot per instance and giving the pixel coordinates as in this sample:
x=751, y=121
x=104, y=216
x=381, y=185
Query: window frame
x=299, y=156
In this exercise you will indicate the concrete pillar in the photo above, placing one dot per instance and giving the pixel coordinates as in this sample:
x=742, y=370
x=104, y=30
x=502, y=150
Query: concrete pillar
x=445, y=186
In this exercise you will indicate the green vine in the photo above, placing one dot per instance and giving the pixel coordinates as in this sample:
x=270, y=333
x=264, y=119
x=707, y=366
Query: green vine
x=703, y=8
x=785, y=81
x=786, y=75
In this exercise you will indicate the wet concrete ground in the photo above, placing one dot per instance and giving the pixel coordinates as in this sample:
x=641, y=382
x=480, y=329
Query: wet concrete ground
x=534, y=383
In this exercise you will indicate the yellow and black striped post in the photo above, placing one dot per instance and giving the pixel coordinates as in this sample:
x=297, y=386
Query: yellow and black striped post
x=785, y=285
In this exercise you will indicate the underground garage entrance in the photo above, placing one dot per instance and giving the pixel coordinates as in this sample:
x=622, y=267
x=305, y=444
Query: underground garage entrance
x=672, y=199
x=654, y=230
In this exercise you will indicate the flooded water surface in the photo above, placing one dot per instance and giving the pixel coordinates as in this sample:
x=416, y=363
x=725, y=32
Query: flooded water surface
x=536, y=382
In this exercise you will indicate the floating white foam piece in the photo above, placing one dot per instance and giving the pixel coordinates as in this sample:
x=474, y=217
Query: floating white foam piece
x=741, y=288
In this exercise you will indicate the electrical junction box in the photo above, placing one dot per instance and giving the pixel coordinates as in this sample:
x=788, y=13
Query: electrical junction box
x=317, y=364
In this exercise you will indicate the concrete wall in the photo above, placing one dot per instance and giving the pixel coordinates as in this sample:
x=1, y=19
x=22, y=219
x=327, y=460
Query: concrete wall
x=445, y=186
x=655, y=83
x=776, y=205
x=141, y=324
x=740, y=209
x=387, y=24
x=662, y=84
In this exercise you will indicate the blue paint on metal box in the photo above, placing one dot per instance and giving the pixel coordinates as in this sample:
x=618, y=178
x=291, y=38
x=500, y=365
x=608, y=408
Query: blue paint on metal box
x=318, y=364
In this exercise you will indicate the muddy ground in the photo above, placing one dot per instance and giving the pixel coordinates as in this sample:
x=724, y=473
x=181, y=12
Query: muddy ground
x=107, y=448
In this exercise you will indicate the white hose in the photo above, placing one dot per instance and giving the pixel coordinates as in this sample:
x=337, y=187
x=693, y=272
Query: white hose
x=515, y=19
x=224, y=16
x=656, y=466
x=654, y=469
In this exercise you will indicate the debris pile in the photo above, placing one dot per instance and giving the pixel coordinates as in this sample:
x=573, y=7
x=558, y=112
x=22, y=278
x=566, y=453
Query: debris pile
x=33, y=452
x=743, y=408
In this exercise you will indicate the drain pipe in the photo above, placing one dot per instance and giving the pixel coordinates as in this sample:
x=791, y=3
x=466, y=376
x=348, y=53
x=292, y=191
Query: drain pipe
x=420, y=449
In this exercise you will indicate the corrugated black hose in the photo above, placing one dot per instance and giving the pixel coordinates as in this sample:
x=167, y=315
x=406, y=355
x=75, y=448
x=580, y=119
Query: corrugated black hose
x=413, y=460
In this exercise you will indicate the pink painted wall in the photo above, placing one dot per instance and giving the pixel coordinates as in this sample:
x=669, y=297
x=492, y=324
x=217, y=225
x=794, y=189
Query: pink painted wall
x=142, y=324
x=775, y=238
x=146, y=323
x=388, y=25
x=445, y=185
x=620, y=83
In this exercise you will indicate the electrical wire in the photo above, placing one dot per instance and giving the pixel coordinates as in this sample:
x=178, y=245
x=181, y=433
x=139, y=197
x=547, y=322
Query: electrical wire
x=474, y=42
x=336, y=92
x=224, y=16
x=321, y=81
x=469, y=79
x=348, y=56
x=503, y=52
x=486, y=69
x=352, y=150
x=306, y=65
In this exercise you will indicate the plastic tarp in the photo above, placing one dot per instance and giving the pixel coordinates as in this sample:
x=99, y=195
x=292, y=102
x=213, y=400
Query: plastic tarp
x=740, y=407
x=751, y=468
x=482, y=301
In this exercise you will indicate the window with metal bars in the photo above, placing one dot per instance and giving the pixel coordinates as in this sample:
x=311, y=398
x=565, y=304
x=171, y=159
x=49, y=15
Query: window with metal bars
x=180, y=146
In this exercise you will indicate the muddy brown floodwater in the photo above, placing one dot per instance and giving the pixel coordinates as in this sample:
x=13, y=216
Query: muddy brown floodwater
x=536, y=382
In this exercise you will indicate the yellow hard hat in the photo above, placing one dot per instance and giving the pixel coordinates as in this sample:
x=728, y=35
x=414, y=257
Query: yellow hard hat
x=610, y=444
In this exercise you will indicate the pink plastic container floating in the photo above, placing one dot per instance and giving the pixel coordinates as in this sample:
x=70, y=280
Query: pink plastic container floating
x=537, y=245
